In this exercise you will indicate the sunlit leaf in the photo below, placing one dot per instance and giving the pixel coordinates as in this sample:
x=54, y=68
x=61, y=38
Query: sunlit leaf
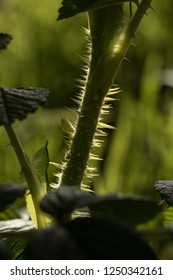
x=31, y=208
x=16, y=103
x=72, y=7
x=40, y=164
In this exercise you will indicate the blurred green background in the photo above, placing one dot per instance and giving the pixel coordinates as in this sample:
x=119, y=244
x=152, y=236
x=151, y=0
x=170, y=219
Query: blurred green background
x=46, y=53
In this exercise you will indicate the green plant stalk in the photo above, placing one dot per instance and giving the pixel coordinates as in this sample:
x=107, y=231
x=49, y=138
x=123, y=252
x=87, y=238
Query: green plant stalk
x=109, y=47
x=32, y=180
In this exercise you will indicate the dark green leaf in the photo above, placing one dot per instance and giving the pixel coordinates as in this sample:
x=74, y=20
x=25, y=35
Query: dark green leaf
x=16, y=103
x=9, y=193
x=95, y=238
x=53, y=243
x=133, y=209
x=72, y=7
x=40, y=164
x=4, y=40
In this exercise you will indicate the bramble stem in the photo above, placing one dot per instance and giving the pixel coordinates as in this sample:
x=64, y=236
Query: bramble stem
x=110, y=42
x=32, y=180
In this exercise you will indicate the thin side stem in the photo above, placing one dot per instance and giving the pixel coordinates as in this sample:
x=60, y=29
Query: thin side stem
x=32, y=180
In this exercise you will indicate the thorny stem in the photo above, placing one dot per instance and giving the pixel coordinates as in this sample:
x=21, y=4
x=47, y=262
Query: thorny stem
x=32, y=180
x=101, y=75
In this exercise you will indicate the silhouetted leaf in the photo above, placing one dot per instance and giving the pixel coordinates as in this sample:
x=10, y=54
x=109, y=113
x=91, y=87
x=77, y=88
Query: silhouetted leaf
x=54, y=243
x=62, y=201
x=165, y=188
x=133, y=209
x=100, y=238
x=9, y=193
x=4, y=40
x=72, y=7
x=16, y=103
x=95, y=238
